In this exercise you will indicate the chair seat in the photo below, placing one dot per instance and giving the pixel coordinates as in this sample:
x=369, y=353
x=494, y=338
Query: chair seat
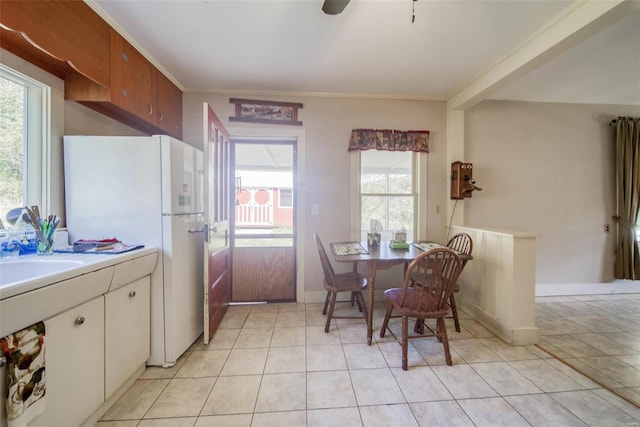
x=394, y=295
x=351, y=282
x=347, y=282
x=351, y=274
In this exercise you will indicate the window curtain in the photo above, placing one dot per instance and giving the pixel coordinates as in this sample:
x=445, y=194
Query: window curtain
x=627, y=264
x=389, y=140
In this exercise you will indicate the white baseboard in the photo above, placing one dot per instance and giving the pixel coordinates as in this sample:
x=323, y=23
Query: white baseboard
x=614, y=287
x=508, y=334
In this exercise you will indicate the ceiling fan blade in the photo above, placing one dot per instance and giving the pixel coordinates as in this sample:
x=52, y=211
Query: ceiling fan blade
x=334, y=7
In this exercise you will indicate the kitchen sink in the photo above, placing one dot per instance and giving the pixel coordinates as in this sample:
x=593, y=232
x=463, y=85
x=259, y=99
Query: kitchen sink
x=33, y=267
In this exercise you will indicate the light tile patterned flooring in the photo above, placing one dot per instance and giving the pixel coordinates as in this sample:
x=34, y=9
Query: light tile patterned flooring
x=273, y=365
x=599, y=335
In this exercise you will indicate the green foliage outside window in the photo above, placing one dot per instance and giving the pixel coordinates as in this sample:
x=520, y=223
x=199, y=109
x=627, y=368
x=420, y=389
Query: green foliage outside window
x=11, y=145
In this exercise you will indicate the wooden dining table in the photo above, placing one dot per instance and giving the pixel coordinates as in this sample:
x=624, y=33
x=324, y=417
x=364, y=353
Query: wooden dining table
x=381, y=257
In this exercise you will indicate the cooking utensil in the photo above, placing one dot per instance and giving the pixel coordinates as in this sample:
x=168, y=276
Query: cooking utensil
x=35, y=219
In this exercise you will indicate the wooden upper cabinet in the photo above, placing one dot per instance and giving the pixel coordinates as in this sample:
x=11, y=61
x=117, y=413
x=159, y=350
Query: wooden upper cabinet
x=169, y=106
x=62, y=37
x=100, y=68
x=139, y=95
x=132, y=80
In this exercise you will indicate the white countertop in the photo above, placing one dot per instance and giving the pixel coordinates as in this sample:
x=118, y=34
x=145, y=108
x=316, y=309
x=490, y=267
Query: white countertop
x=84, y=263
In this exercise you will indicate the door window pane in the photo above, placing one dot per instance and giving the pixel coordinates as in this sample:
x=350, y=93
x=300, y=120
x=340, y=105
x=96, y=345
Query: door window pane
x=264, y=214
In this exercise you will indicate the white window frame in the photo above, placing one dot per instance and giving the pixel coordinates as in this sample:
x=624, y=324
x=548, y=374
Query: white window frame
x=419, y=182
x=37, y=154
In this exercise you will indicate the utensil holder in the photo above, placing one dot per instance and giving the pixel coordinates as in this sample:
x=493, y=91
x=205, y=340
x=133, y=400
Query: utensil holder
x=45, y=243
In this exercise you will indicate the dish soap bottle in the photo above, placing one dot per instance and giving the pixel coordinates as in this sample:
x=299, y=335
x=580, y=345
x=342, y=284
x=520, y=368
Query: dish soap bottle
x=26, y=236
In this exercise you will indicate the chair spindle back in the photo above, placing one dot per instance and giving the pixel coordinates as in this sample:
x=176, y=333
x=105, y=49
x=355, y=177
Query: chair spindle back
x=441, y=267
x=461, y=243
x=327, y=268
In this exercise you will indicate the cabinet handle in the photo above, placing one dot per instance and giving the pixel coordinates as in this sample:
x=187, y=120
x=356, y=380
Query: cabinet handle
x=125, y=58
x=124, y=92
x=132, y=294
x=80, y=321
x=161, y=116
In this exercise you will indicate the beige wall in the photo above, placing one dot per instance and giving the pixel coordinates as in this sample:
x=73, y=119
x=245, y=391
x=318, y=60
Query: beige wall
x=548, y=169
x=327, y=177
x=544, y=168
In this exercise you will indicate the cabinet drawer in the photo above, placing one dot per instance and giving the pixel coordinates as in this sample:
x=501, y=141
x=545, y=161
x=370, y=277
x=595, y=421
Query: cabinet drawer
x=129, y=271
x=28, y=308
x=127, y=332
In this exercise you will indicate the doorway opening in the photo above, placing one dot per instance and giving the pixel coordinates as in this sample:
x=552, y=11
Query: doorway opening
x=263, y=227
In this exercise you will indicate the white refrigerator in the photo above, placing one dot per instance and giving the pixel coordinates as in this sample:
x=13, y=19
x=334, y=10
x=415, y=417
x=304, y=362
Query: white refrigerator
x=145, y=190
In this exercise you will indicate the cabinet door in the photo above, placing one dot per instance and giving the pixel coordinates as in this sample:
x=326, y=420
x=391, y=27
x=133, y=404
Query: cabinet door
x=169, y=106
x=127, y=332
x=131, y=79
x=74, y=348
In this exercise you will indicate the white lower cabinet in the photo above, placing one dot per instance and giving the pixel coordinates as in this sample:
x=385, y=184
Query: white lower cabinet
x=127, y=332
x=96, y=341
x=74, y=349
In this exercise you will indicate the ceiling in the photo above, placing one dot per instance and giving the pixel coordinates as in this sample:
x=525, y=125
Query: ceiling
x=261, y=156
x=373, y=49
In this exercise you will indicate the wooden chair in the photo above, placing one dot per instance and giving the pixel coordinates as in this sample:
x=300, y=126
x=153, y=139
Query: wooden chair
x=461, y=243
x=442, y=267
x=352, y=282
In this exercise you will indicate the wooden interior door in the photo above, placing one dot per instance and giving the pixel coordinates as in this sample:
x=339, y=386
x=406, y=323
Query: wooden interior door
x=217, y=212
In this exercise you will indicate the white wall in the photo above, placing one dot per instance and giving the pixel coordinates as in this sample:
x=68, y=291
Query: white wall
x=548, y=169
x=327, y=124
x=81, y=120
